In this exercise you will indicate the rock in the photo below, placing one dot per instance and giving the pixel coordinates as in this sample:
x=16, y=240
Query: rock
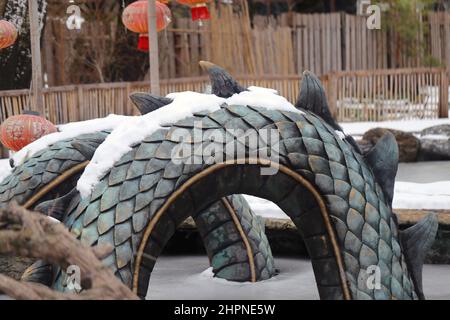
x=408, y=144
x=435, y=143
x=443, y=129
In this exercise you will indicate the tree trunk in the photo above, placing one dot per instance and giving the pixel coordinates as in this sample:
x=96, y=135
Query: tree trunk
x=15, y=61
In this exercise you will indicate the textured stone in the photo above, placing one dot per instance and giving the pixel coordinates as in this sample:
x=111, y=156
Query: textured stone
x=408, y=144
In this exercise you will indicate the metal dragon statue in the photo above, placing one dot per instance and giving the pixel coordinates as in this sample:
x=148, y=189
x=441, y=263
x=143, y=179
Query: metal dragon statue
x=339, y=199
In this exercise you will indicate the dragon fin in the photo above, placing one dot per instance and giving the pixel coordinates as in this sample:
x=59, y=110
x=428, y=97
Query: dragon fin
x=383, y=158
x=416, y=241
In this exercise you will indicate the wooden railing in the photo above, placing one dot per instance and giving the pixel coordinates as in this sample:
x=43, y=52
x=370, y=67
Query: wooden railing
x=388, y=94
x=373, y=95
x=83, y=102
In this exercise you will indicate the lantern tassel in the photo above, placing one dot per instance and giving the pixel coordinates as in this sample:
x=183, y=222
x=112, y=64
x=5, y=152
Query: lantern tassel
x=200, y=13
x=143, y=43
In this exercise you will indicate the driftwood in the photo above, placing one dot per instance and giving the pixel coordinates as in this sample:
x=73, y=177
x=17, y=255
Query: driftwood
x=23, y=233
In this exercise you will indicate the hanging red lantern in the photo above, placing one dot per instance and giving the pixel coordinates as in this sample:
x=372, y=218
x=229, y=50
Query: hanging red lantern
x=19, y=131
x=135, y=18
x=8, y=34
x=199, y=10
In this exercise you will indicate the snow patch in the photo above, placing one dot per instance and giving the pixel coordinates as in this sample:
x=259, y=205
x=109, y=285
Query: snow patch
x=262, y=97
x=265, y=208
x=208, y=274
x=340, y=134
x=359, y=128
x=435, y=137
x=68, y=131
x=5, y=169
x=433, y=196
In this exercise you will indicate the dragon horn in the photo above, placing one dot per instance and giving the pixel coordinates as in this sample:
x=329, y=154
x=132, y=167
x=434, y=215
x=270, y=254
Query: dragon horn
x=147, y=102
x=223, y=84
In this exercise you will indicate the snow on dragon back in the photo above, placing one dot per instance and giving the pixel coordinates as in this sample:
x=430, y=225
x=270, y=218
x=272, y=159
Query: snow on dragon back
x=184, y=105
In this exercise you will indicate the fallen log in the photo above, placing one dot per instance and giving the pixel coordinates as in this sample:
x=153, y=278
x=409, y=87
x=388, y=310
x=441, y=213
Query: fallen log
x=23, y=233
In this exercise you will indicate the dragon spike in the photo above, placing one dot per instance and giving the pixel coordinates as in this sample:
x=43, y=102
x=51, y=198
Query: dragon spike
x=383, y=158
x=56, y=208
x=416, y=241
x=312, y=98
x=86, y=149
x=39, y=272
x=147, y=102
x=223, y=84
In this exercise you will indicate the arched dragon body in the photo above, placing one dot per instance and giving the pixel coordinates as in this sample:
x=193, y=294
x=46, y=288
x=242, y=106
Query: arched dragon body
x=339, y=199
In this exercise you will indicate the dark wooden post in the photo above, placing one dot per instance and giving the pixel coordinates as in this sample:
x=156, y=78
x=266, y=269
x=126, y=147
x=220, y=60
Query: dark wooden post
x=153, y=51
x=443, y=94
x=38, y=101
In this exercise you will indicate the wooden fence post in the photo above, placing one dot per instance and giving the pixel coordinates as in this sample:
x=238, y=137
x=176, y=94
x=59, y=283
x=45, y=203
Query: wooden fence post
x=443, y=95
x=35, y=35
x=81, y=106
x=332, y=93
x=128, y=110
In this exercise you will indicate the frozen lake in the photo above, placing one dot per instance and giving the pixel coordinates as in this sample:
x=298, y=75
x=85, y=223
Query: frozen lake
x=184, y=277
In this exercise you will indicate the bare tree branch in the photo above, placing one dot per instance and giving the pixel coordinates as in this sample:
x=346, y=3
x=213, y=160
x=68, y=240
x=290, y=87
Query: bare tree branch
x=29, y=234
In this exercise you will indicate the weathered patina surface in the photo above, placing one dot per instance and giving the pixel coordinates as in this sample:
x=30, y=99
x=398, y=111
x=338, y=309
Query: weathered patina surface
x=223, y=239
x=338, y=198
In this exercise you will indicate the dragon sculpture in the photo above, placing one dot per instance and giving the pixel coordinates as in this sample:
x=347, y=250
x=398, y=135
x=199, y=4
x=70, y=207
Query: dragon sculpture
x=339, y=199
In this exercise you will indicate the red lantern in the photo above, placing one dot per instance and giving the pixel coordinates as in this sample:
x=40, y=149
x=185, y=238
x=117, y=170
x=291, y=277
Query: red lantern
x=135, y=18
x=8, y=34
x=18, y=131
x=199, y=10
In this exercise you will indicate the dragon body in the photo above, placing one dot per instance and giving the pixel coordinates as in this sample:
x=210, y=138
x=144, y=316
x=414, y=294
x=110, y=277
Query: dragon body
x=339, y=199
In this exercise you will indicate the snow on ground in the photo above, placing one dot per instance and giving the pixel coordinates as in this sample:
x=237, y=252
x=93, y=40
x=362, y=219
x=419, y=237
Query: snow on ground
x=359, y=128
x=184, y=277
x=135, y=129
x=265, y=208
x=407, y=195
x=5, y=169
